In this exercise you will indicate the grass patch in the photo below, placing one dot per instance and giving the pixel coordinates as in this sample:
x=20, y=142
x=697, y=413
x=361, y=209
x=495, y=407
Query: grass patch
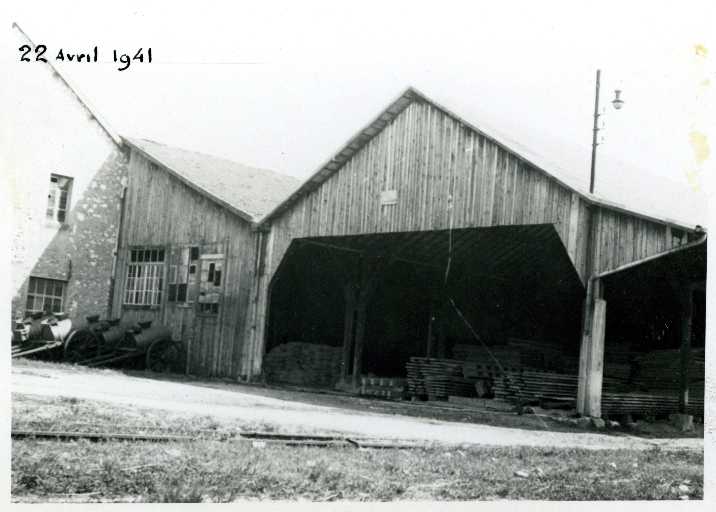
x=222, y=468
x=215, y=471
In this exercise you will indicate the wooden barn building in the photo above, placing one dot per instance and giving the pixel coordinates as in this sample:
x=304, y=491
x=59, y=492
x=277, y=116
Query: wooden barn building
x=428, y=234
x=188, y=250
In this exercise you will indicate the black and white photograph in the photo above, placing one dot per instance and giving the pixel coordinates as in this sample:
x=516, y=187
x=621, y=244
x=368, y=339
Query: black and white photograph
x=295, y=253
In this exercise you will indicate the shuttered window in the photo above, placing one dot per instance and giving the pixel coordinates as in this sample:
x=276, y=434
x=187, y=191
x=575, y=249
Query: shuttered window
x=210, y=284
x=145, y=277
x=183, y=265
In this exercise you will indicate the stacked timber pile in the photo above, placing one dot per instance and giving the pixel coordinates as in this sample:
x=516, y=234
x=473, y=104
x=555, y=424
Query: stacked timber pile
x=647, y=403
x=386, y=387
x=658, y=378
x=524, y=353
x=543, y=355
x=304, y=364
x=617, y=371
x=506, y=355
x=439, y=378
x=661, y=369
x=533, y=386
x=618, y=362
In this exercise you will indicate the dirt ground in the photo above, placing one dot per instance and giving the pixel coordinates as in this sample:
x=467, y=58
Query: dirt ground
x=274, y=407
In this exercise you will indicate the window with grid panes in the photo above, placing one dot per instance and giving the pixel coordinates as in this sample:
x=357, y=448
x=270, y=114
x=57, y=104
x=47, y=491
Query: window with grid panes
x=58, y=198
x=145, y=277
x=45, y=295
x=183, y=264
x=210, y=284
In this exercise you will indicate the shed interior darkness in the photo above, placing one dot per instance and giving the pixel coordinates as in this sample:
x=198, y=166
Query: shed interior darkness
x=511, y=281
x=643, y=306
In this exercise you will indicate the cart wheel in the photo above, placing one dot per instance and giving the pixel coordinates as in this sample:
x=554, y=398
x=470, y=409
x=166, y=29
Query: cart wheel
x=80, y=346
x=165, y=356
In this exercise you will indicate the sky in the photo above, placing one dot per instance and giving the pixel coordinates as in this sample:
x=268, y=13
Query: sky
x=283, y=86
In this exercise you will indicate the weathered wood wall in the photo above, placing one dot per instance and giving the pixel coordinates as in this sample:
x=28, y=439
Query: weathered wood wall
x=448, y=175
x=161, y=211
x=429, y=157
x=621, y=238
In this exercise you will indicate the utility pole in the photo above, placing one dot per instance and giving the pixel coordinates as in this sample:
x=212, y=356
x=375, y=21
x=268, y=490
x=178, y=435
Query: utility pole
x=594, y=137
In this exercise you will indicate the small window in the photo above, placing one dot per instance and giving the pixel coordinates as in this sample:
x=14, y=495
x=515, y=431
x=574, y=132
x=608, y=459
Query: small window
x=45, y=295
x=58, y=199
x=145, y=277
x=182, y=274
x=210, y=285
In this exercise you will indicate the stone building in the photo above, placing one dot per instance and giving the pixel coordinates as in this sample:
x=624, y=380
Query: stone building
x=67, y=172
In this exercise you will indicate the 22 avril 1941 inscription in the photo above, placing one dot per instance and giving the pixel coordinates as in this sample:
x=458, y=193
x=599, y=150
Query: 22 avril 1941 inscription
x=41, y=49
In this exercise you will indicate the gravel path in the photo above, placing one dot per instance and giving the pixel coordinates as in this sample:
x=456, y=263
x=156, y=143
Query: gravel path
x=186, y=398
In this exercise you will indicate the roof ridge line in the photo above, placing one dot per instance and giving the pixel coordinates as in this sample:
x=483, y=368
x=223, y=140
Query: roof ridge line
x=209, y=156
x=84, y=101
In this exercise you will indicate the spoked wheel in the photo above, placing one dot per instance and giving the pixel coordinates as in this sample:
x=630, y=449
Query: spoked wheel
x=81, y=346
x=165, y=356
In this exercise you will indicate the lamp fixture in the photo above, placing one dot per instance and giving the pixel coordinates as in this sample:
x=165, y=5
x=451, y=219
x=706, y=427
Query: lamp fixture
x=618, y=102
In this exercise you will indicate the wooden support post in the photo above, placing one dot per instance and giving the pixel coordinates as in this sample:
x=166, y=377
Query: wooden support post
x=369, y=281
x=442, y=328
x=360, y=333
x=591, y=354
x=431, y=329
x=350, y=291
x=584, y=349
x=687, y=311
x=595, y=361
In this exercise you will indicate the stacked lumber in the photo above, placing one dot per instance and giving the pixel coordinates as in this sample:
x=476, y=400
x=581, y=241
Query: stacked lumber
x=648, y=403
x=444, y=387
x=472, y=370
x=661, y=369
x=533, y=386
x=507, y=356
x=386, y=387
x=658, y=377
x=543, y=355
x=617, y=371
x=524, y=353
x=439, y=378
x=304, y=364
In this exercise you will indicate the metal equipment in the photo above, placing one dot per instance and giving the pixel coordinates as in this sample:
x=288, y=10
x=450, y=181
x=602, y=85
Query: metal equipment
x=95, y=342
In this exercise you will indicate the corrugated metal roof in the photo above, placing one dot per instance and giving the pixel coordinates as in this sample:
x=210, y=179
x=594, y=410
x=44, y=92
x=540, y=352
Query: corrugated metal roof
x=619, y=186
x=247, y=191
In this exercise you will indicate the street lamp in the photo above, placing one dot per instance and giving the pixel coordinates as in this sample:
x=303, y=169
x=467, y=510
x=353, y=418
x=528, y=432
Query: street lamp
x=617, y=103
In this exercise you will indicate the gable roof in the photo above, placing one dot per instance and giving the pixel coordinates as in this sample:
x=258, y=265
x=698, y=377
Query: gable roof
x=91, y=109
x=621, y=189
x=248, y=192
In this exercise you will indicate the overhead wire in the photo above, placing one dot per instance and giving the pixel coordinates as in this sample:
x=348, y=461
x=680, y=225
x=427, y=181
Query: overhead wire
x=462, y=317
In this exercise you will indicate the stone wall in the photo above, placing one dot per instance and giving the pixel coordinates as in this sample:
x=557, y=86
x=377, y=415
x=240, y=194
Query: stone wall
x=53, y=132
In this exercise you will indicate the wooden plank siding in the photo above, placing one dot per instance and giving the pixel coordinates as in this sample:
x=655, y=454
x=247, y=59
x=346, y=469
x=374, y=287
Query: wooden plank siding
x=161, y=211
x=624, y=238
x=446, y=174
